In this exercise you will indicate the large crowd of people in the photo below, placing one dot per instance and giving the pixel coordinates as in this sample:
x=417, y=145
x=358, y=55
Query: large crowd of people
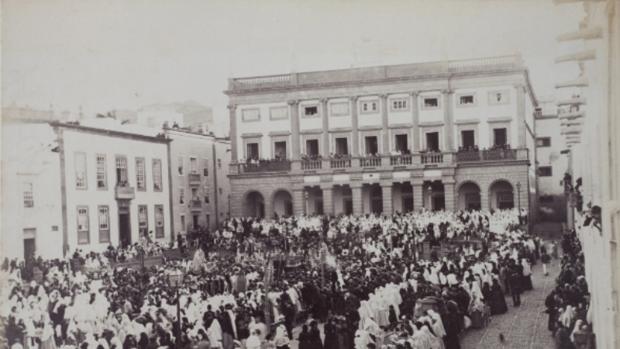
x=415, y=280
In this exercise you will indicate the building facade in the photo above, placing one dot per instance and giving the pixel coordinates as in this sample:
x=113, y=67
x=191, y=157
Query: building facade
x=114, y=185
x=552, y=163
x=197, y=185
x=31, y=205
x=443, y=135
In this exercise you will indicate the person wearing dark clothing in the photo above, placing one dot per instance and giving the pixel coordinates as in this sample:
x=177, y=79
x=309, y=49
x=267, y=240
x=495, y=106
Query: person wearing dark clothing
x=514, y=281
x=498, y=302
x=331, y=335
x=304, y=338
x=453, y=325
x=315, y=336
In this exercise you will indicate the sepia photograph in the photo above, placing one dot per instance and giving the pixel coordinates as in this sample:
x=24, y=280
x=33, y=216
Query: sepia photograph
x=319, y=174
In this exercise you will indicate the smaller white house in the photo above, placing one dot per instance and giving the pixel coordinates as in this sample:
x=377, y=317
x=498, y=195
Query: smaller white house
x=115, y=184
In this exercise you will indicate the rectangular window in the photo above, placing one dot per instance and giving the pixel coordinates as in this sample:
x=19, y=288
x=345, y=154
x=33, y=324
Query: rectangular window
x=159, y=221
x=339, y=108
x=401, y=143
x=543, y=142
x=399, y=104
x=278, y=113
x=312, y=147
x=219, y=163
x=28, y=195
x=466, y=100
x=82, y=225
x=545, y=171
x=102, y=177
x=157, y=185
x=468, y=139
x=311, y=111
x=180, y=165
x=207, y=198
x=369, y=106
x=193, y=165
x=140, y=174
x=499, y=97
x=251, y=151
x=499, y=137
x=279, y=150
x=432, y=141
x=342, y=147
x=183, y=226
x=430, y=102
x=121, y=171
x=104, y=223
x=371, y=145
x=195, y=194
x=252, y=114
x=143, y=220
x=80, y=170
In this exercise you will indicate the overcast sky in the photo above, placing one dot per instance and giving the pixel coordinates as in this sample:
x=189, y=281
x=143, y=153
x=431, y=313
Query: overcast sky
x=123, y=54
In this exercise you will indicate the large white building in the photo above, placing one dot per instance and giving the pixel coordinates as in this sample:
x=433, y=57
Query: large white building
x=114, y=185
x=440, y=135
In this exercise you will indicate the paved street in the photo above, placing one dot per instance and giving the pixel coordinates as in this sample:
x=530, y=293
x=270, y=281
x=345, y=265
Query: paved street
x=524, y=327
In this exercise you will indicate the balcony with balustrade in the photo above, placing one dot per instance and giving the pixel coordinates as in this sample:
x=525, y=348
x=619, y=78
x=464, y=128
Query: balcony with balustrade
x=473, y=157
x=195, y=204
x=194, y=179
x=370, y=161
x=261, y=166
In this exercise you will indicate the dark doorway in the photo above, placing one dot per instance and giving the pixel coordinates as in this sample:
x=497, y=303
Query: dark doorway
x=342, y=148
x=376, y=199
x=252, y=150
x=401, y=143
x=439, y=203
x=124, y=229
x=348, y=206
x=432, y=141
x=372, y=147
x=312, y=147
x=279, y=149
x=499, y=137
x=288, y=208
x=29, y=249
x=195, y=222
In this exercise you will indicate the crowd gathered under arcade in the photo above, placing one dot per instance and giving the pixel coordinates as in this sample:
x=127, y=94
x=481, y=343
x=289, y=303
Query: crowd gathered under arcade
x=414, y=280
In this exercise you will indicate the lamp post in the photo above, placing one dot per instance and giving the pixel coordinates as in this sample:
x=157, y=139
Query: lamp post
x=519, y=197
x=175, y=279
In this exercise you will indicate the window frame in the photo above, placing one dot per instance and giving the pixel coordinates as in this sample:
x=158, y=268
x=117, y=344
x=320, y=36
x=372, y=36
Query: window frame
x=310, y=105
x=140, y=160
x=245, y=117
x=103, y=172
x=81, y=238
x=466, y=94
x=146, y=219
x=157, y=177
x=423, y=102
x=543, y=139
x=195, y=169
x=180, y=165
x=84, y=185
x=28, y=194
x=104, y=233
x=181, y=196
x=394, y=100
x=117, y=161
x=549, y=174
x=373, y=101
x=274, y=108
x=159, y=213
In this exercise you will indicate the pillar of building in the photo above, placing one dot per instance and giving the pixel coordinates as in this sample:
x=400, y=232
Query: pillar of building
x=356, y=197
x=232, y=115
x=484, y=197
x=448, y=120
x=386, y=193
x=418, y=196
x=299, y=202
x=328, y=199
x=294, y=105
x=325, y=124
x=415, y=122
x=520, y=90
x=448, y=194
x=384, y=125
x=268, y=208
x=354, y=128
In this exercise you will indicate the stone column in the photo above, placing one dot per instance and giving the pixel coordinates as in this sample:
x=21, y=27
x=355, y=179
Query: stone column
x=448, y=120
x=355, y=146
x=449, y=197
x=299, y=202
x=356, y=197
x=415, y=121
x=521, y=136
x=484, y=196
x=232, y=114
x=328, y=200
x=384, y=125
x=325, y=135
x=294, y=105
x=268, y=208
x=386, y=193
x=418, y=196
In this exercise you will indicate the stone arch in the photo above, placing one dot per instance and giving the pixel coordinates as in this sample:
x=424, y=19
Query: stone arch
x=254, y=204
x=469, y=196
x=282, y=202
x=501, y=194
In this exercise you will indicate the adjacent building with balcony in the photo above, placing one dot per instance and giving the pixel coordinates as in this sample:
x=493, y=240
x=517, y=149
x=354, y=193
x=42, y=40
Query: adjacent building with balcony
x=441, y=135
x=198, y=179
x=113, y=184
